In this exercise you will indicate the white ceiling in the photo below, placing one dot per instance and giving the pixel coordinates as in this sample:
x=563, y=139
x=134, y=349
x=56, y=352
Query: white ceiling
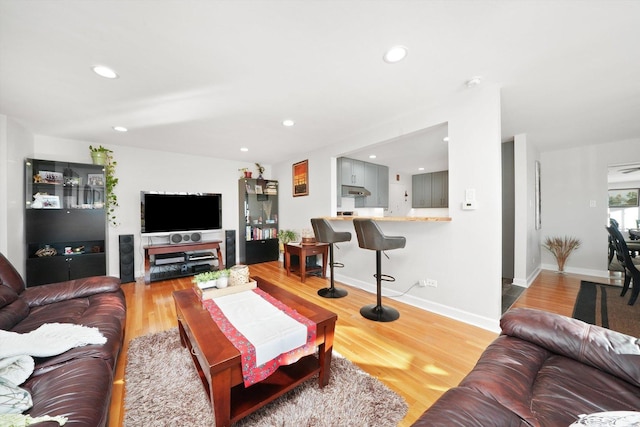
x=209, y=77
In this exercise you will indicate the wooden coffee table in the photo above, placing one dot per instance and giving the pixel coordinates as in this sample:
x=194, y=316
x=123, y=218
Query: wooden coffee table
x=218, y=362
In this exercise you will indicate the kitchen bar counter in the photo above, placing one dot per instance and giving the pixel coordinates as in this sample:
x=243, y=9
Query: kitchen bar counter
x=393, y=218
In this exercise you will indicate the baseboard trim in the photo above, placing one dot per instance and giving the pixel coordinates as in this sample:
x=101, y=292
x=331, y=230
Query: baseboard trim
x=443, y=310
x=583, y=271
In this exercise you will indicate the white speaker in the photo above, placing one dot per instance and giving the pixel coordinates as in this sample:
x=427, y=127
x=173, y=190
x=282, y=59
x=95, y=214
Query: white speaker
x=177, y=238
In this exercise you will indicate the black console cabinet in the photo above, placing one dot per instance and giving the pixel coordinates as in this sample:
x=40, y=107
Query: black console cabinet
x=65, y=221
x=258, y=212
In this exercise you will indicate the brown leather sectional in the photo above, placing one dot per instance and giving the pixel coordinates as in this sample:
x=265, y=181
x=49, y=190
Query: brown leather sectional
x=543, y=370
x=77, y=383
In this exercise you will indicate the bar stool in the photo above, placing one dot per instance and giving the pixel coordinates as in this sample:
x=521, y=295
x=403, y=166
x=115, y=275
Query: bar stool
x=371, y=237
x=325, y=234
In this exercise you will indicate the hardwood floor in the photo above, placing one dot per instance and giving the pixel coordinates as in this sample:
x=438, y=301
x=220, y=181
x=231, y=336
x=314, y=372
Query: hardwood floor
x=420, y=356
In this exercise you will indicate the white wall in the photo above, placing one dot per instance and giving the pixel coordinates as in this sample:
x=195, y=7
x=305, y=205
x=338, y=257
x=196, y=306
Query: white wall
x=15, y=144
x=463, y=255
x=527, y=238
x=140, y=170
x=571, y=179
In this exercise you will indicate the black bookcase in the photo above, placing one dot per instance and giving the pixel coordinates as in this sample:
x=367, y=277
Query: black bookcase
x=258, y=220
x=65, y=221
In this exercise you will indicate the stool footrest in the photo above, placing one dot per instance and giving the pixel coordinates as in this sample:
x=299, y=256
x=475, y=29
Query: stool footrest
x=385, y=277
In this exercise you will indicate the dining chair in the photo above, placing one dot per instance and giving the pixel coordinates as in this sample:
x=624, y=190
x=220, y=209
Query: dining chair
x=631, y=272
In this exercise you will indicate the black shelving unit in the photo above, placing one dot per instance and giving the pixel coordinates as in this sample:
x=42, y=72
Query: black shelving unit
x=258, y=220
x=65, y=221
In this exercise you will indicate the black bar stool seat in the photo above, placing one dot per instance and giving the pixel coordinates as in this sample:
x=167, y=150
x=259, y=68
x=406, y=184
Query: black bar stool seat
x=326, y=234
x=371, y=237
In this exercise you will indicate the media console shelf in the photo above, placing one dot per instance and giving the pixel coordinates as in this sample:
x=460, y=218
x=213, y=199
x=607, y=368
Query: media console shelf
x=179, y=260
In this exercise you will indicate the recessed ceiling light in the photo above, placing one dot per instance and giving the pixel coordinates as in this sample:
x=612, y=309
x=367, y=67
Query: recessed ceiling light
x=420, y=169
x=244, y=149
x=395, y=54
x=474, y=81
x=105, y=72
x=288, y=123
x=445, y=139
x=372, y=156
x=120, y=129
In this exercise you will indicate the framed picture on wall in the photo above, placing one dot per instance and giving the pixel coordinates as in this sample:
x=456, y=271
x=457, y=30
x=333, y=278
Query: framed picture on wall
x=301, y=178
x=623, y=198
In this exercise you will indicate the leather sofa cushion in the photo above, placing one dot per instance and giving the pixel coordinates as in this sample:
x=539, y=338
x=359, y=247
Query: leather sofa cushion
x=9, y=276
x=610, y=351
x=62, y=291
x=76, y=389
x=565, y=388
x=544, y=370
x=7, y=296
x=506, y=372
x=105, y=311
x=543, y=388
x=12, y=308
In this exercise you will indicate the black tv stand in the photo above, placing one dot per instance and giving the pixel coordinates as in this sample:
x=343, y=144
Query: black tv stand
x=189, y=259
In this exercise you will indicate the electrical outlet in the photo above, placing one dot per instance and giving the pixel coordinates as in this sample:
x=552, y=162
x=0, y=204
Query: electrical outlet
x=422, y=283
x=432, y=283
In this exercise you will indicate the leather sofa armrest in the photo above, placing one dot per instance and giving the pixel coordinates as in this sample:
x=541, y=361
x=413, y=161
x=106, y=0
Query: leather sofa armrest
x=61, y=291
x=610, y=351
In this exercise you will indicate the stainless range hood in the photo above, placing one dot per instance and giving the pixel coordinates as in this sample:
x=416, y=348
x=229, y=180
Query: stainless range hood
x=352, y=191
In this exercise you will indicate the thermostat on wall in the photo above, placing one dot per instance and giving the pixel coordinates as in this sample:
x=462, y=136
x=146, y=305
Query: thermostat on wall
x=469, y=205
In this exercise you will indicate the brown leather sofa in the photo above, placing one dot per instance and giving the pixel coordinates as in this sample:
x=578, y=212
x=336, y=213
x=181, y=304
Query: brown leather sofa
x=543, y=370
x=77, y=383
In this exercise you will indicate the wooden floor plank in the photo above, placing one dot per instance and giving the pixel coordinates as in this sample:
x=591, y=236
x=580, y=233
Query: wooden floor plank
x=420, y=356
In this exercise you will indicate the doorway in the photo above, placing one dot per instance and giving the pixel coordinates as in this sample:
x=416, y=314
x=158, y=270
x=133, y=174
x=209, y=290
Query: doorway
x=510, y=292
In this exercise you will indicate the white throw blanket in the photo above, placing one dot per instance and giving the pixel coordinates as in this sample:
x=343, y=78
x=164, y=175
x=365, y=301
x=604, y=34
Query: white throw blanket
x=17, y=364
x=49, y=339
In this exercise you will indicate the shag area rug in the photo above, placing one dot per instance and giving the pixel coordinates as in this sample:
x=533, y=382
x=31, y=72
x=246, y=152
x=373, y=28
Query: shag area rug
x=162, y=388
x=602, y=305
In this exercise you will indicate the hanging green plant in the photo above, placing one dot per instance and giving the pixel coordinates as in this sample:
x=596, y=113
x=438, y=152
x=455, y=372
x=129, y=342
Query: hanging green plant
x=104, y=156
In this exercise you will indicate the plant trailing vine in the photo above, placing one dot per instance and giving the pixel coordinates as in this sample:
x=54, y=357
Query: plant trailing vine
x=111, y=181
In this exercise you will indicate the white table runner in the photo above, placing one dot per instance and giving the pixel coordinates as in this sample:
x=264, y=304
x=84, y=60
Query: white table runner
x=270, y=330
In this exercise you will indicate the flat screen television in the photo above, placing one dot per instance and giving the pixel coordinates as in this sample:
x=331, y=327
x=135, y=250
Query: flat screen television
x=179, y=212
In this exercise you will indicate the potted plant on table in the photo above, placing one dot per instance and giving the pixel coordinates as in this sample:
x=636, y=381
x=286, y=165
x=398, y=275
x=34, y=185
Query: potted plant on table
x=205, y=280
x=223, y=278
x=284, y=237
x=561, y=248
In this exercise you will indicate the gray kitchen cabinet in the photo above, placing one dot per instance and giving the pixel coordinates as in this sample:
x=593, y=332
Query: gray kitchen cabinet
x=440, y=189
x=383, y=186
x=430, y=190
x=352, y=172
x=421, y=191
x=373, y=177
x=376, y=180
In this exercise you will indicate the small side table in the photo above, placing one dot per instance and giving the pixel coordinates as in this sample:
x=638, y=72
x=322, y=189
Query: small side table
x=303, y=251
